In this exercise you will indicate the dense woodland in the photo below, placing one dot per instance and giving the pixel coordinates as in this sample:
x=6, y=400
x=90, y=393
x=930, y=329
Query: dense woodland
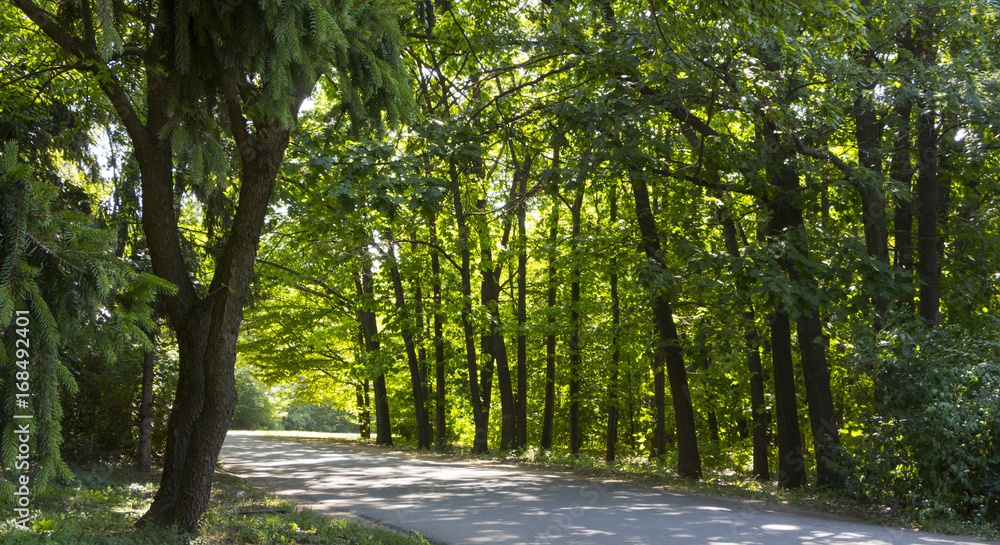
x=746, y=237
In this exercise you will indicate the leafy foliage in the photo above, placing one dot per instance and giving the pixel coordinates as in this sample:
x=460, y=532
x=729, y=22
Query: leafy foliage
x=930, y=441
x=80, y=300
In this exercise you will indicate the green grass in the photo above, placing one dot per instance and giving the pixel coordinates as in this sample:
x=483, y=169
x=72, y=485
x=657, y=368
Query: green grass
x=102, y=506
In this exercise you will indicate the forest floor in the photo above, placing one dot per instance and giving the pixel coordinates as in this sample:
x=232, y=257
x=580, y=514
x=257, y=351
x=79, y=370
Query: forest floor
x=458, y=498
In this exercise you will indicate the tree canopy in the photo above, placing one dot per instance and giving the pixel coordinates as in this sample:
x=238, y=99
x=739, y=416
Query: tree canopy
x=749, y=237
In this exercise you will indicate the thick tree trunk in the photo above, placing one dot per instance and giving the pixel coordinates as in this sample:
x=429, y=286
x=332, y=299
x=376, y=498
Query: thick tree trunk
x=479, y=417
x=416, y=384
x=688, y=460
x=549, y=410
x=211, y=327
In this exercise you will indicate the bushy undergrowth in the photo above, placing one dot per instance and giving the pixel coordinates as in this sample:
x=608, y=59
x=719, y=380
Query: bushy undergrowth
x=102, y=506
x=932, y=442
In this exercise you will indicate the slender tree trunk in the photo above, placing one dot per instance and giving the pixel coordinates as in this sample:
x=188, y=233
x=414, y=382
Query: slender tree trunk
x=441, y=439
x=928, y=188
x=418, y=311
x=868, y=133
x=479, y=417
x=791, y=463
x=611, y=440
x=549, y=411
x=144, y=452
x=366, y=413
x=523, y=170
x=575, y=364
x=364, y=424
x=383, y=425
x=758, y=408
x=688, y=460
x=494, y=344
x=787, y=221
x=659, y=447
x=416, y=384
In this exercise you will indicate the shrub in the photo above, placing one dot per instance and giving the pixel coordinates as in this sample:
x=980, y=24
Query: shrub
x=932, y=440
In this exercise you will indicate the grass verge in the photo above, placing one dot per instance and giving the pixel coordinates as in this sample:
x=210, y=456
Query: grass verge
x=102, y=506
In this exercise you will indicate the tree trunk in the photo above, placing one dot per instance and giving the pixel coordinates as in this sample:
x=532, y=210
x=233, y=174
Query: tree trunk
x=383, y=424
x=369, y=326
x=480, y=419
x=418, y=311
x=441, y=439
x=144, y=452
x=549, y=411
x=928, y=185
x=791, y=464
x=575, y=364
x=209, y=326
x=522, y=171
x=928, y=188
x=611, y=440
x=364, y=425
x=688, y=460
x=901, y=171
x=787, y=222
x=416, y=384
x=758, y=408
x=868, y=133
x=494, y=344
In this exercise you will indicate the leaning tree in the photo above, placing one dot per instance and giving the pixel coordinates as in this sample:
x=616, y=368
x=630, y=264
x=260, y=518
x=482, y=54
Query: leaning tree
x=208, y=93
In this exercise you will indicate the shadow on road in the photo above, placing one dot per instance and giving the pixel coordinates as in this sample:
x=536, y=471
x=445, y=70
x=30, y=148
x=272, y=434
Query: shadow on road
x=458, y=502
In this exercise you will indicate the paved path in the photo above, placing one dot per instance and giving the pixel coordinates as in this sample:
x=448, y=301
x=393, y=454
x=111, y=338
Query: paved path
x=466, y=502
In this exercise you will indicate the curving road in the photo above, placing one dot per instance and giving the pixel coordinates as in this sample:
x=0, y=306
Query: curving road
x=466, y=502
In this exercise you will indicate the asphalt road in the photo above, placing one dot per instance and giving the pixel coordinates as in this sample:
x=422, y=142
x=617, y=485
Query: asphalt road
x=467, y=502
